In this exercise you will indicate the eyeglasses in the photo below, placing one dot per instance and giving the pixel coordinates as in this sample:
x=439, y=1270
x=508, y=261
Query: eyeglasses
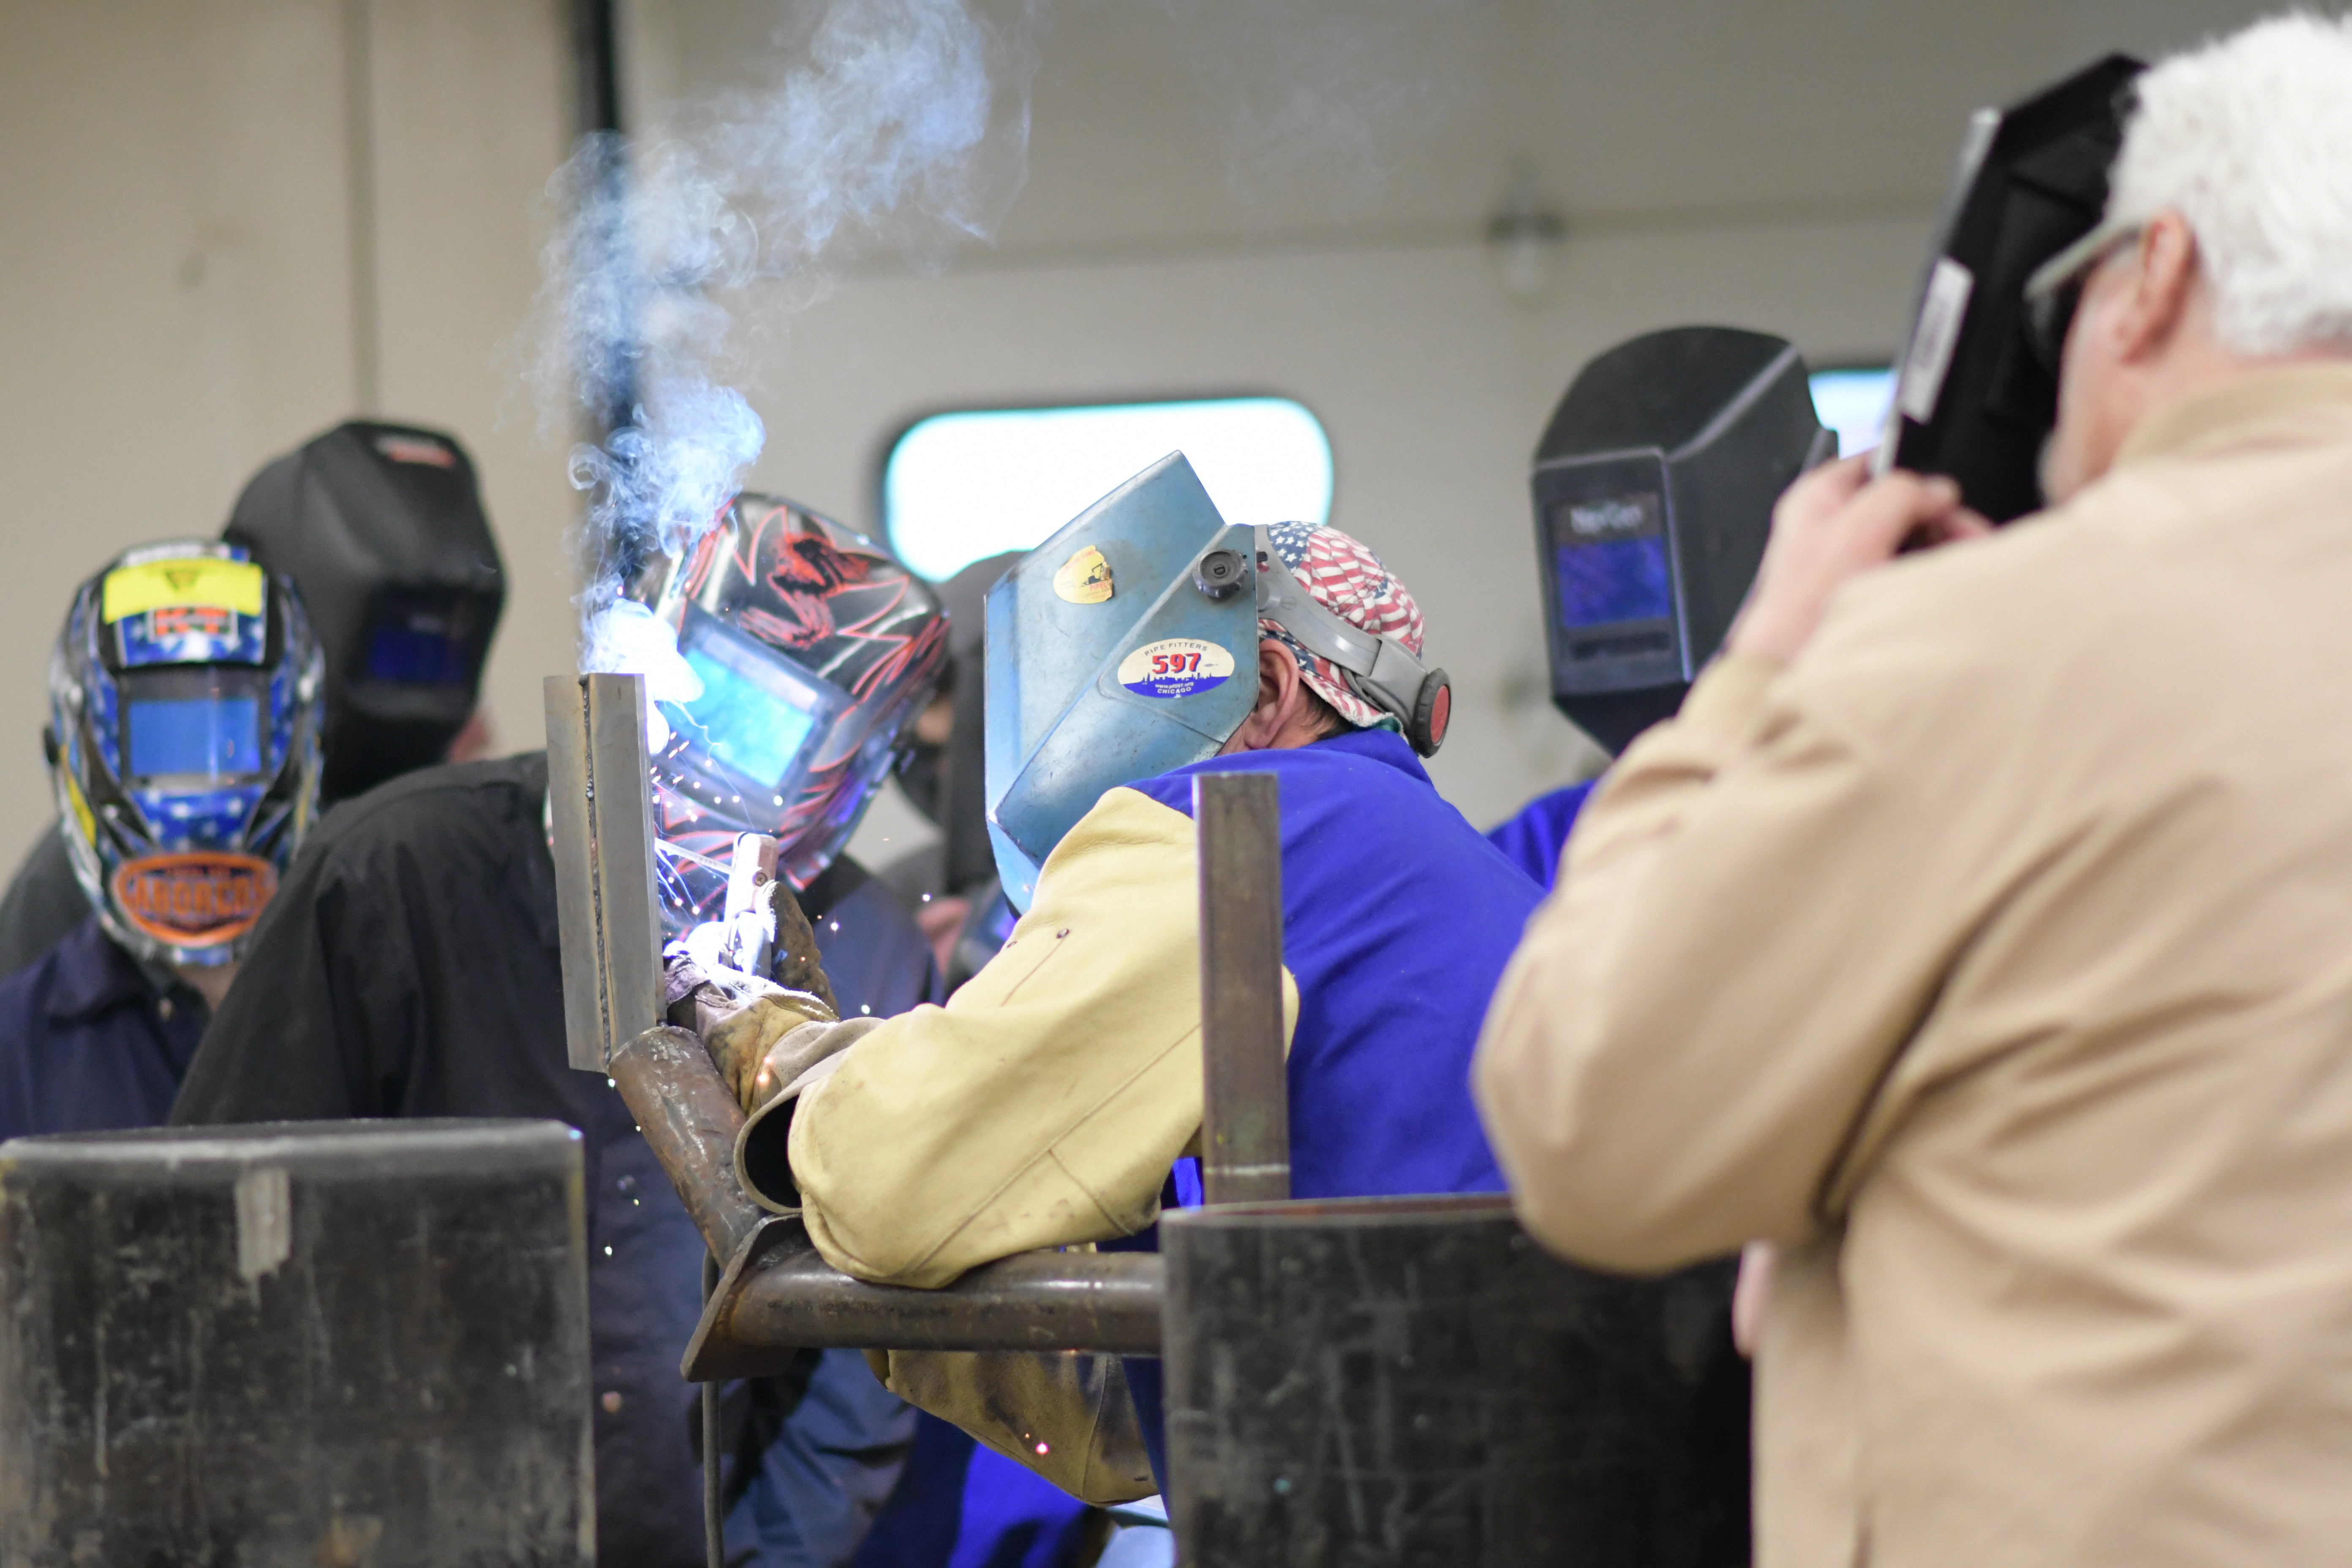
x=2055, y=290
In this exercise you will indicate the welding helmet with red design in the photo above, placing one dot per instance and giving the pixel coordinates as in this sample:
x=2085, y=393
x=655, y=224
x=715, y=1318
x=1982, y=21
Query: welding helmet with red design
x=804, y=653
x=185, y=697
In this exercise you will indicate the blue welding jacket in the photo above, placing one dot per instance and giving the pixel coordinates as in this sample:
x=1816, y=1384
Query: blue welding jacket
x=1397, y=920
x=1536, y=838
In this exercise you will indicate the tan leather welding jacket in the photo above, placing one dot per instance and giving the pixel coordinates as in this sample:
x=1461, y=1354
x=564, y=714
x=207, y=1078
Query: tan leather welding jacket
x=1995, y=958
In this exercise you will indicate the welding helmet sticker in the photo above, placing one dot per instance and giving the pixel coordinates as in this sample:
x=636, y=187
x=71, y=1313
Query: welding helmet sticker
x=1175, y=666
x=801, y=654
x=194, y=900
x=186, y=695
x=1085, y=578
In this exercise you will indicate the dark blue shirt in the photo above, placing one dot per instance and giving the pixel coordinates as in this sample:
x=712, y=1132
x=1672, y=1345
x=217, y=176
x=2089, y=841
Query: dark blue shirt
x=89, y=1042
x=1535, y=837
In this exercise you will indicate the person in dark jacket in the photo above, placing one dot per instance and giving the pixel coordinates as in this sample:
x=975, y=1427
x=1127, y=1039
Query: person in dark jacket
x=185, y=706
x=381, y=529
x=411, y=967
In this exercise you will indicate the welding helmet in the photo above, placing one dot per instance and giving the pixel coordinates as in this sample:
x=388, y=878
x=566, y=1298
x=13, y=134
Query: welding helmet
x=1127, y=644
x=943, y=781
x=186, y=695
x=804, y=653
x=380, y=528
x=1653, y=490
x=1976, y=393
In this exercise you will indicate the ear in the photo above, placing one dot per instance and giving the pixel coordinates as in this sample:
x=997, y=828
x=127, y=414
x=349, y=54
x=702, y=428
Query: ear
x=2157, y=295
x=1281, y=702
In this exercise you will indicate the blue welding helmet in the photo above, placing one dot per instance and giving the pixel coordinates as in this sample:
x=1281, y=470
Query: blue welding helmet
x=1123, y=646
x=186, y=694
x=1653, y=490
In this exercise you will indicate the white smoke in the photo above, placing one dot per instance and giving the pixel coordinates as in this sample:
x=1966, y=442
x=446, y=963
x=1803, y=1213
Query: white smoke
x=896, y=128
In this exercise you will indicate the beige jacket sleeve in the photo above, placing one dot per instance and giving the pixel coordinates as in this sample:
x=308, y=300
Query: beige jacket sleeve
x=1044, y=1105
x=1751, y=919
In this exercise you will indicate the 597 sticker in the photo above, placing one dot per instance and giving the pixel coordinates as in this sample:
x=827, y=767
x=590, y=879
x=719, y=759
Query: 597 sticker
x=1175, y=666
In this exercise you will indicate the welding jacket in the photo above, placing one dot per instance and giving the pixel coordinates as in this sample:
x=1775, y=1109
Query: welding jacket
x=1993, y=956
x=1534, y=838
x=1046, y=1103
x=408, y=966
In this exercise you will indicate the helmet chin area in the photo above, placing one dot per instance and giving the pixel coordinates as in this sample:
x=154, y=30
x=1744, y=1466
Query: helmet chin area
x=191, y=908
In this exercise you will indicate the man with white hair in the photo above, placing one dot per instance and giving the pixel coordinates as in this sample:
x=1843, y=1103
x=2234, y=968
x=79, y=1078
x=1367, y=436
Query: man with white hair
x=1980, y=932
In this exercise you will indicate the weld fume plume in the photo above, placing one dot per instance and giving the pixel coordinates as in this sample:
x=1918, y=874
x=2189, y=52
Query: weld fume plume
x=897, y=129
x=1317, y=102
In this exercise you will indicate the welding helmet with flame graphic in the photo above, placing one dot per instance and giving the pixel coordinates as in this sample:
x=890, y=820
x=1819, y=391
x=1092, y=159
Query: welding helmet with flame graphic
x=185, y=697
x=804, y=654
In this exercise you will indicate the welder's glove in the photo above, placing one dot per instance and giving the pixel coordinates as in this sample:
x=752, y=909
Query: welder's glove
x=797, y=966
x=761, y=1034
x=748, y=1039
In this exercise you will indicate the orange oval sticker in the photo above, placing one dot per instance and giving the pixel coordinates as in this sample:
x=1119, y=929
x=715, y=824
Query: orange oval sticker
x=194, y=900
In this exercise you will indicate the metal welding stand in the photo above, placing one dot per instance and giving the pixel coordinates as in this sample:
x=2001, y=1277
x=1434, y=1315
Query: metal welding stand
x=339, y=1342
x=1398, y=1381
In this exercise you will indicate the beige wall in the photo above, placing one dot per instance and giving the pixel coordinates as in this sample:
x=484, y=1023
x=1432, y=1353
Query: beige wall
x=177, y=275
x=179, y=297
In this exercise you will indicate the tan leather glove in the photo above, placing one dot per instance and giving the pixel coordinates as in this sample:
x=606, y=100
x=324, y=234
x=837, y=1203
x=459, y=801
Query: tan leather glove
x=742, y=1020
x=742, y=1036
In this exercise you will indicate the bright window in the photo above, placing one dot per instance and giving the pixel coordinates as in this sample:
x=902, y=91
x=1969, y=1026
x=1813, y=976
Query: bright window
x=1854, y=403
x=960, y=487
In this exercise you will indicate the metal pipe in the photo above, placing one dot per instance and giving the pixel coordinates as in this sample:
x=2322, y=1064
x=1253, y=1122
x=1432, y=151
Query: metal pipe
x=690, y=1120
x=1245, y=1089
x=791, y=1298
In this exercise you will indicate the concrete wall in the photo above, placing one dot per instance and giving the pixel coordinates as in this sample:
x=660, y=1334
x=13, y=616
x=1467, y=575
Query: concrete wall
x=201, y=198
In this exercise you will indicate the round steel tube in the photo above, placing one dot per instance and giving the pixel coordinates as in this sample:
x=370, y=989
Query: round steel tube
x=1107, y=1301
x=690, y=1120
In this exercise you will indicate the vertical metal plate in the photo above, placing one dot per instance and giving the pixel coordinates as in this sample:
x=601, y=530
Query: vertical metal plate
x=575, y=894
x=1245, y=1091
x=621, y=826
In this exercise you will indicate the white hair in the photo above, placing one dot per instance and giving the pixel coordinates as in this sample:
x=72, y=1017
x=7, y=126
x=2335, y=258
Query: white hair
x=2250, y=139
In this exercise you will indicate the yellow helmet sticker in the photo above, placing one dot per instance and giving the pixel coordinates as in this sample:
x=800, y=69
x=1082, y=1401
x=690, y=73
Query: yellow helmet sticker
x=1085, y=578
x=195, y=582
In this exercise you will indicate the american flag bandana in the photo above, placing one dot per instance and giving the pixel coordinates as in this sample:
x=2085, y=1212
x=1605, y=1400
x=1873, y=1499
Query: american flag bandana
x=1349, y=581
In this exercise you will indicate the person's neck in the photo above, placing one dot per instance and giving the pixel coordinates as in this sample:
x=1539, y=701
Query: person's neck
x=2194, y=365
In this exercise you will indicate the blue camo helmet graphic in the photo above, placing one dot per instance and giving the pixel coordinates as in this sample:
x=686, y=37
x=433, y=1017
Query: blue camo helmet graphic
x=186, y=699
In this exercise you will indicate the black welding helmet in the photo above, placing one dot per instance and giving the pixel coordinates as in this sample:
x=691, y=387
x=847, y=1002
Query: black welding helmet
x=381, y=527
x=1653, y=491
x=1977, y=389
x=945, y=781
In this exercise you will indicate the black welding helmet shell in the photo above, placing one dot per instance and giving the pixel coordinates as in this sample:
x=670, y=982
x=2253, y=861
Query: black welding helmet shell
x=945, y=781
x=380, y=528
x=1653, y=490
x=1977, y=391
